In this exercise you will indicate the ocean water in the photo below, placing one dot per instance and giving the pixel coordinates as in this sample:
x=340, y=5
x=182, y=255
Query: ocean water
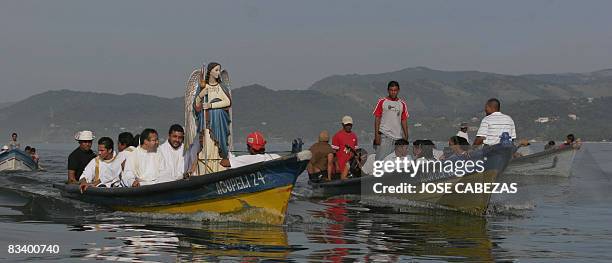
x=550, y=219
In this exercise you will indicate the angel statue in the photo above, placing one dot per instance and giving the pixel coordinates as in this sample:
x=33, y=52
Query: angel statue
x=208, y=117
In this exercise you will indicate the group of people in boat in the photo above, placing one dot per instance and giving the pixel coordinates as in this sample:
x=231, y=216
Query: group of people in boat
x=201, y=147
x=140, y=160
x=343, y=158
x=15, y=144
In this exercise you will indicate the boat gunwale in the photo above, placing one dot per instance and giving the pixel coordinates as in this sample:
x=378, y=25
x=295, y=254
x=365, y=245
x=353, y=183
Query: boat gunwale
x=545, y=153
x=183, y=184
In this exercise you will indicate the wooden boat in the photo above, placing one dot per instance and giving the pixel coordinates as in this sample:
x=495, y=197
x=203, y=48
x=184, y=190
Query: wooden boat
x=257, y=193
x=17, y=160
x=557, y=162
x=497, y=158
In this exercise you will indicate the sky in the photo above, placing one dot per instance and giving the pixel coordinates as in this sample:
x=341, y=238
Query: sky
x=151, y=46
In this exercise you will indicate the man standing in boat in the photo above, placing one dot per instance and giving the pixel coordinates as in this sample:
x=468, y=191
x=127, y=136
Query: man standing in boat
x=494, y=124
x=14, y=144
x=391, y=121
x=80, y=157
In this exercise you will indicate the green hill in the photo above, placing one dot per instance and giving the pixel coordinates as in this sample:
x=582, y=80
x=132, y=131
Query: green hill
x=438, y=101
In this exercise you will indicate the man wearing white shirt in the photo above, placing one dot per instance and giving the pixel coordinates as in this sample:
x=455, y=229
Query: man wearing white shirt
x=256, y=144
x=104, y=170
x=146, y=166
x=125, y=146
x=172, y=151
x=494, y=124
x=401, y=151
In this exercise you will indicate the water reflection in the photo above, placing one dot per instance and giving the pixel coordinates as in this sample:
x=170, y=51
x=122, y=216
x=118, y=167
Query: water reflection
x=206, y=242
x=385, y=234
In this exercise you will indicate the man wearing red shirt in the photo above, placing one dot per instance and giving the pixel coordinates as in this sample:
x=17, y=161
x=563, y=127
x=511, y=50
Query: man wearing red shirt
x=390, y=125
x=344, y=143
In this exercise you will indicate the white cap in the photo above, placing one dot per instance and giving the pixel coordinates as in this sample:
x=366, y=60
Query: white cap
x=347, y=120
x=5, y=147
x=84, y=136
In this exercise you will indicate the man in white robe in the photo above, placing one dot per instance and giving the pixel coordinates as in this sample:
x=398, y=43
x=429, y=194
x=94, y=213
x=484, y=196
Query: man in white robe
x=104, y=170
x=172, y=151
x=145, y=165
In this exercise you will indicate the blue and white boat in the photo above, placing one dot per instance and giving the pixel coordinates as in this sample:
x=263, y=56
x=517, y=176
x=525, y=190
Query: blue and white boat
x=17, y=160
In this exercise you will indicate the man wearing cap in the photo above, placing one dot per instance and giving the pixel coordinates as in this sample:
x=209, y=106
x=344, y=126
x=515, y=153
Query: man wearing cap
x=463, y=131
x=390, y=121
x=256, y=145
x=344, y=143
x=321, y=164
x=80, y=157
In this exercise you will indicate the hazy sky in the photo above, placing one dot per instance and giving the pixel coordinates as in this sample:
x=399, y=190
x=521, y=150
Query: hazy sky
x=151, y=46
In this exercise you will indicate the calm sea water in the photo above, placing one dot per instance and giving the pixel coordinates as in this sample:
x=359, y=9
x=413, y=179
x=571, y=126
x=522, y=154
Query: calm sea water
x=551, y=219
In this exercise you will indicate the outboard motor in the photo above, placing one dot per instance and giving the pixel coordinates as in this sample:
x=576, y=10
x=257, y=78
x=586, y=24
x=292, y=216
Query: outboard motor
x=296, y=146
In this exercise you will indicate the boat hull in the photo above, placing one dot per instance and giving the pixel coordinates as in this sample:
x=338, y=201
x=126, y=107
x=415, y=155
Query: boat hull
x=258, y=193
x=17, y=160
x=556, y=162
x=471, y=203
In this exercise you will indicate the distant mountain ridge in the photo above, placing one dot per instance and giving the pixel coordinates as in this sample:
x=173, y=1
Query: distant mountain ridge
x=437, y=101
x=462, y=91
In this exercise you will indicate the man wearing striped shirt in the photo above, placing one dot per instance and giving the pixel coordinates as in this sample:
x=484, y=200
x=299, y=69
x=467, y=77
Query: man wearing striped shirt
x=494, y=124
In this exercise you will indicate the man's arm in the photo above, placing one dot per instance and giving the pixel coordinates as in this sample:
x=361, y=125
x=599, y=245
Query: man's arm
x=72, y=177
x=482, y=132
x=72, y=167
x=378, y=110
x=128, y=176
x=330, y=166
x=376, y=130
x=405, y=129
x=89, y=172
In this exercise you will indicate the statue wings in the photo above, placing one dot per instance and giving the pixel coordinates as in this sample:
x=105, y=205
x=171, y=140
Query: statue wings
x=190, y=120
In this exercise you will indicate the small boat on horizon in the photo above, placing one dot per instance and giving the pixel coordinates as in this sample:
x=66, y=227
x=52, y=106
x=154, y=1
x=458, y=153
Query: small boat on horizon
x=256, y=193
x=17, y=160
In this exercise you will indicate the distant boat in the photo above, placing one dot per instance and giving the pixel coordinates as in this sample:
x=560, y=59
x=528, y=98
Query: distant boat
x=556, y=162
x=497, y=158
x=256, y=193
x=17, y=160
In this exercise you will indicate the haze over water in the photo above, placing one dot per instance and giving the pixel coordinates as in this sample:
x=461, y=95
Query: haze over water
x=551, y=219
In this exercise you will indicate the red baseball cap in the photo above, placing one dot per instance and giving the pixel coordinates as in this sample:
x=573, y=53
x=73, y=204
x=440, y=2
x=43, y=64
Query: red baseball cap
x=256, y=140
